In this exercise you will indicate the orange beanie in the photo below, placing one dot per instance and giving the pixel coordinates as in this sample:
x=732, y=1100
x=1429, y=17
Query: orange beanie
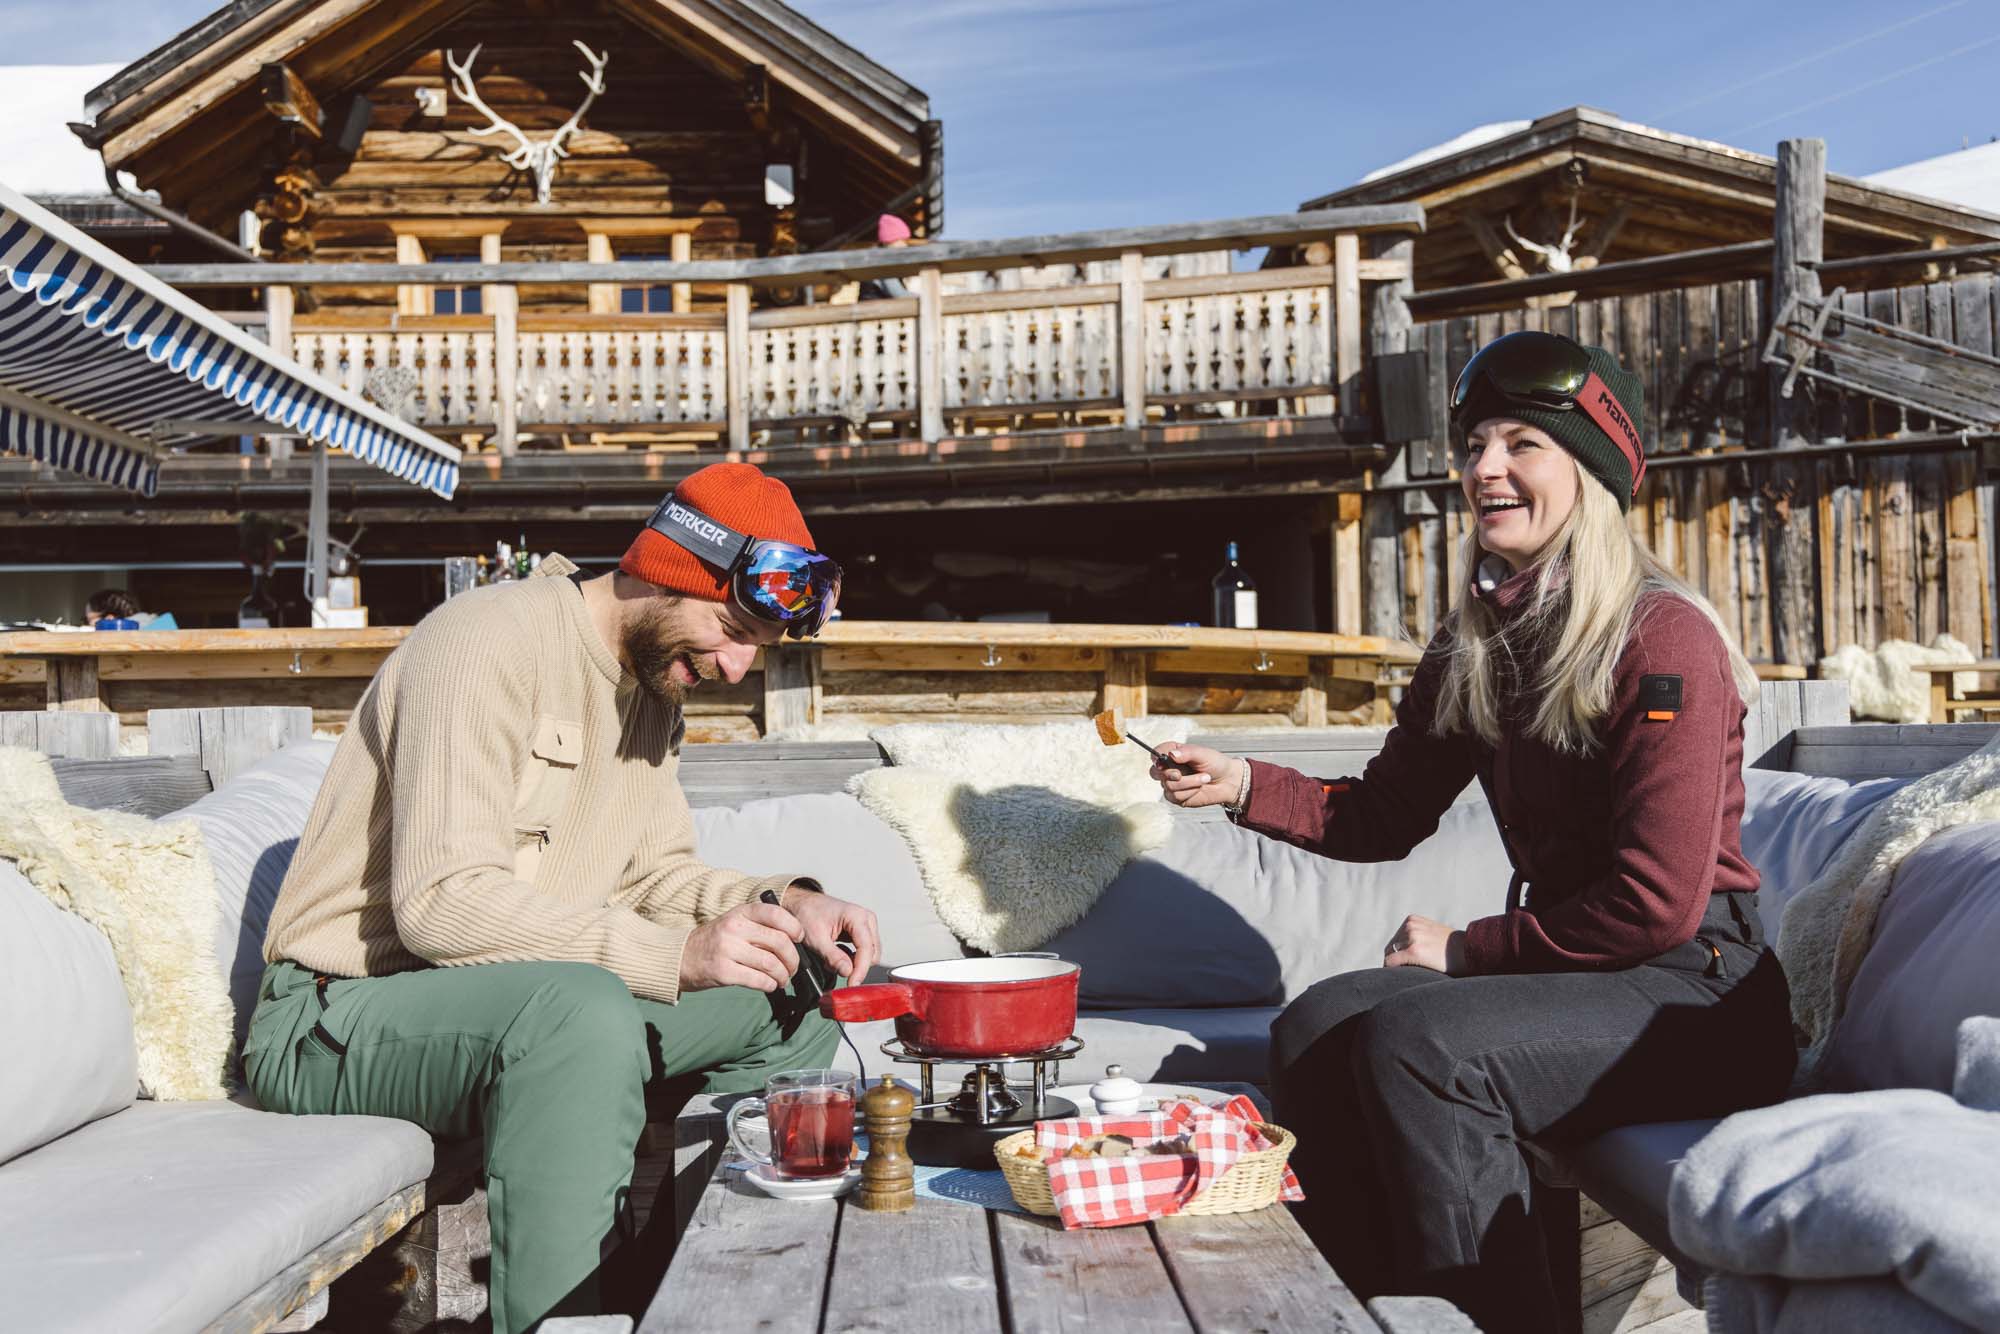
x=736, y=494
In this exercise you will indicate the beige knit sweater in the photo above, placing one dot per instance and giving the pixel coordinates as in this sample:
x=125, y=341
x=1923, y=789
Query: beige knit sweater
x=504, y=792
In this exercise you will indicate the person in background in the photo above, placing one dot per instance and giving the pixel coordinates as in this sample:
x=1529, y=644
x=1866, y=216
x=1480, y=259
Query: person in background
x=112, y=604
x=497, y=924
x=891, y=232
x=1599, y=701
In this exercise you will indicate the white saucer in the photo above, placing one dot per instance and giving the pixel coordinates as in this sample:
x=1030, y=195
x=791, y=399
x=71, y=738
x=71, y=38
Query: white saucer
x=764, y=1178
x=1150, y=1096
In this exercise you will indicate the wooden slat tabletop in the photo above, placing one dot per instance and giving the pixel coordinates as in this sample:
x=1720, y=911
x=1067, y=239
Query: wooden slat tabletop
x=748, y=1262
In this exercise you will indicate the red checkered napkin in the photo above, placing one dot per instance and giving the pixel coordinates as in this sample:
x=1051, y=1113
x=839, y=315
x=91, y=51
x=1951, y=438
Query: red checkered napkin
x=1109, y=1192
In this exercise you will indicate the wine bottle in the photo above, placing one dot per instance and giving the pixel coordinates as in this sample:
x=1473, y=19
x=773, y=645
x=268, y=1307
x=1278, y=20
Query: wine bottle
x=1235, y=595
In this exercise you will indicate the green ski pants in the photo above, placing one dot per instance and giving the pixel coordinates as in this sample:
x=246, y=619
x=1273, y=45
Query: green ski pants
x=548, y=1062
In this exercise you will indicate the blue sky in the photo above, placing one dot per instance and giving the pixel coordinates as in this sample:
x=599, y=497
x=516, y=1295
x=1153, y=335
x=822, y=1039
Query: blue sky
x=1069, y=114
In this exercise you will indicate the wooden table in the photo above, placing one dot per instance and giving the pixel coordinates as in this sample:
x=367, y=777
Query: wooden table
x=749, y=1262
x=1947, y=698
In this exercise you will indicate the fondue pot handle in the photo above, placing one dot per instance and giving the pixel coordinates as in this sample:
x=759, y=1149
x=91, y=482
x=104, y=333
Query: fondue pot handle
x=879, y=1000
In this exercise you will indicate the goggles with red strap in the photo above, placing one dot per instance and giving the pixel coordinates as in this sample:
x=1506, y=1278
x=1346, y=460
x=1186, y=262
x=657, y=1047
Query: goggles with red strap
x=777, y=582
x=1550, y=372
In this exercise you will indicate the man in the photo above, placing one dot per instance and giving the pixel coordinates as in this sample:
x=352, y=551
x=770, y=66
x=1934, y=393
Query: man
x=496, y=923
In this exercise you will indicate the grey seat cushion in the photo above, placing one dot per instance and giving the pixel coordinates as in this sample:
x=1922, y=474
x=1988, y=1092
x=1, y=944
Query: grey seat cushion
x=251, y=826
x=1628, y=1171
x=1794, y=823
x=836, y=840
x=66, y=1046
x=1224, y=916
x=1930, y=966
x=165, y=1215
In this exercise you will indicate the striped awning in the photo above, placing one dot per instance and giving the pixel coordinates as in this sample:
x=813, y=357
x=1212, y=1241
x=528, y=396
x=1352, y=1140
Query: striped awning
x=95, y=354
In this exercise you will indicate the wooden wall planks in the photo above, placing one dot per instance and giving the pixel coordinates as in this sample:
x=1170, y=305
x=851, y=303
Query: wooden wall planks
x=1905, y=544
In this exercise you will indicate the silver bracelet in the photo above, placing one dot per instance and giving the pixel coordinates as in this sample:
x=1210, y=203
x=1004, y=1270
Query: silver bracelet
x=1243, y=795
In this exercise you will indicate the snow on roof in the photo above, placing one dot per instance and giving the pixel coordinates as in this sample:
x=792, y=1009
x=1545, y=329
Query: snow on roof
x=1969, y=178
x=1472, y=138
x=38, y=154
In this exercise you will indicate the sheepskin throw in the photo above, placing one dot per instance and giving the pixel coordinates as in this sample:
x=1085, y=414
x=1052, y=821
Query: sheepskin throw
x=1882, y=684
x=1017, y=829
x=149, y=888
x=1827, y=928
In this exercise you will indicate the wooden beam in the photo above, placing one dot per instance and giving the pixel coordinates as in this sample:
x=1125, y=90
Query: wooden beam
x=73, y=686
x=602, y=297
x=1132, y=337
x=1346, y=321
x=1798, y=235
x=286, y=96
x=792, y=692
x=946, y=257
x=1713, y=262
x=278, y=319
x=930, y=356
x=680, y=249
x=1125, y=684
x=412, y=298
x=129, y=141
x=1601, y=238
x=504, y=300
x=1497, y=251
x=736, y=348
x=1346, y=552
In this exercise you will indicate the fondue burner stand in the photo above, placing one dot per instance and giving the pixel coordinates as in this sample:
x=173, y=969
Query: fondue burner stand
x=960, y=1131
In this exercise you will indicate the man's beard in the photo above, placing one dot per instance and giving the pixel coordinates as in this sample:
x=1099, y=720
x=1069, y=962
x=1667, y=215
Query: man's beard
x=651, y=656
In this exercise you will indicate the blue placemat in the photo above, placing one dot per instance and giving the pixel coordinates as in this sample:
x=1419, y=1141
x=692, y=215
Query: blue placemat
x=961, y=1185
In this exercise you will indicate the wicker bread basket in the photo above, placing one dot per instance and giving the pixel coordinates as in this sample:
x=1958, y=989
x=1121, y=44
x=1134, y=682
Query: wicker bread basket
x=1252, y=1181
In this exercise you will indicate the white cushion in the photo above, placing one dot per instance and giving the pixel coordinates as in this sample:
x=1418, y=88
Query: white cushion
x=164, y=1216
x=251, y=826
x=67, y=1054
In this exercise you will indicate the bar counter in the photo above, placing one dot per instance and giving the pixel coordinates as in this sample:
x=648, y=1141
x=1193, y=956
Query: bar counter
x=863, y=673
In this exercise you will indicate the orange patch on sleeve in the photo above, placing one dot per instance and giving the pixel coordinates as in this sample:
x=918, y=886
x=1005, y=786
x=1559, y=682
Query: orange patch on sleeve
x=1659, y=716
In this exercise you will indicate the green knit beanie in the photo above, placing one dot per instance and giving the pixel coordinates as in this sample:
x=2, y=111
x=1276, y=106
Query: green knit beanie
x=1573, y=430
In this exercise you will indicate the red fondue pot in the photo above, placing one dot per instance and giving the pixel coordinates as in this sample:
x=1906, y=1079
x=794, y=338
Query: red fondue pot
x=1002, y=1006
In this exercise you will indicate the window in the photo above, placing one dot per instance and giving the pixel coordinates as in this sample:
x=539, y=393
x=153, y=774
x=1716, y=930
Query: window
x=461, y=300
x=645, y=298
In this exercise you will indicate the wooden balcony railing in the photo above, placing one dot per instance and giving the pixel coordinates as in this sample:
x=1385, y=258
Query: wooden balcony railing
x=962, y=354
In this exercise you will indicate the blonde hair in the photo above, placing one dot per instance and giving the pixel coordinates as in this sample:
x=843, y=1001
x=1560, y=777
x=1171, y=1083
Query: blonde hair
x=1590, y=581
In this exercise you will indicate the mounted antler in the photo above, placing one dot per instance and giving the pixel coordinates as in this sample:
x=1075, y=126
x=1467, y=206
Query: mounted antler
x=1557, y=256
x=536, y=155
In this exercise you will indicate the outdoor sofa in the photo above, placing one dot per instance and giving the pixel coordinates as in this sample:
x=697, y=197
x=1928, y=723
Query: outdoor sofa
x=1187, y=957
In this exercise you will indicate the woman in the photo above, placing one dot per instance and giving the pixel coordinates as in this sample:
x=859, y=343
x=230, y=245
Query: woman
x=1599, y=701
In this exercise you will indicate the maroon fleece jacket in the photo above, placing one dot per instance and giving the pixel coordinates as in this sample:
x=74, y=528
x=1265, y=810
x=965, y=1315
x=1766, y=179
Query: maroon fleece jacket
x=1620, y=848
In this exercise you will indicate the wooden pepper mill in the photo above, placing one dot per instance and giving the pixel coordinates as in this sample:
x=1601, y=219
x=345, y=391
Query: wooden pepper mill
x=888, y=1177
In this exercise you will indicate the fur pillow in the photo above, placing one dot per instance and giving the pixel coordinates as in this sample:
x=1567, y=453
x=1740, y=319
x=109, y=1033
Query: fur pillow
x=1017, y=829
x=148, y=887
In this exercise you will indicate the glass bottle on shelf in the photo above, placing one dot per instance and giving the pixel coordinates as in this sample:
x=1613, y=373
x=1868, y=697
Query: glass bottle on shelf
x=503, y=563
x=1235, y=595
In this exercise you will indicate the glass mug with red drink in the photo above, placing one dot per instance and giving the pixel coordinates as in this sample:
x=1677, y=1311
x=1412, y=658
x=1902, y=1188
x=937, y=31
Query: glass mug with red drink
x=811, y=1115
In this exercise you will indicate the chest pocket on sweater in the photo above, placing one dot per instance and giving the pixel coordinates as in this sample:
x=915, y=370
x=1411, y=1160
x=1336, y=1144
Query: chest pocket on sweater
x=554, y=751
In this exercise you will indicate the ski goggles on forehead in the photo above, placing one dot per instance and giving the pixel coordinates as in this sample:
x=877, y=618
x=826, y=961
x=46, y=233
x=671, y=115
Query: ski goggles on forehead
x=1548, y=371
x=779, y=583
